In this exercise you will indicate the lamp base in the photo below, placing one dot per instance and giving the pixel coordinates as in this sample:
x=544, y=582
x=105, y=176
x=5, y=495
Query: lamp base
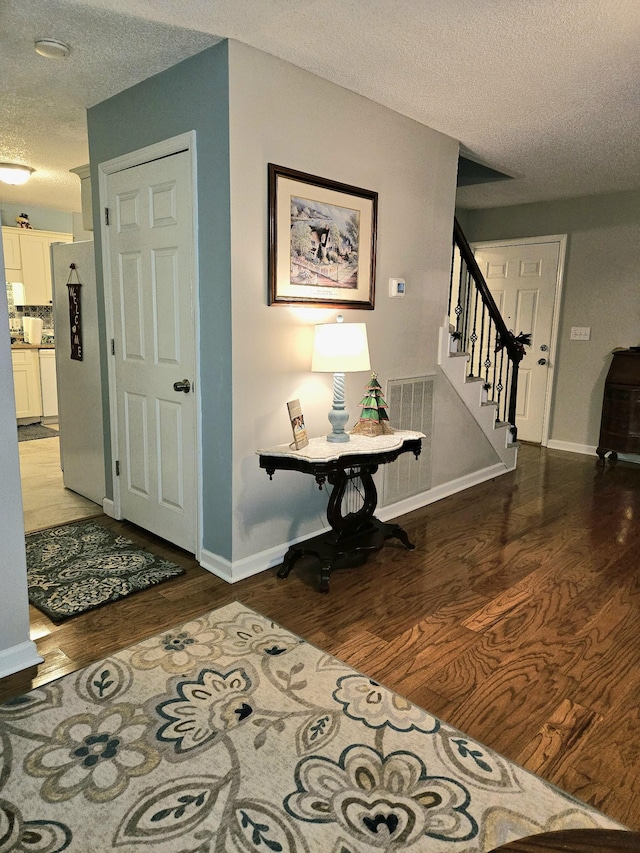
x=338, y=419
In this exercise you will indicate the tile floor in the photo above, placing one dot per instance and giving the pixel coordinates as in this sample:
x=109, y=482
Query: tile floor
x=45, y=501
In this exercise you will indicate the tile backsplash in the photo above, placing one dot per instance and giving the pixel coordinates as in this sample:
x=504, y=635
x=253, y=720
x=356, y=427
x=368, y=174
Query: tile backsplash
x=44, y=312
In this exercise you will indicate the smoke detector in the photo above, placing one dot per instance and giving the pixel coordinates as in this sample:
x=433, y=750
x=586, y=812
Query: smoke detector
x=52, y=48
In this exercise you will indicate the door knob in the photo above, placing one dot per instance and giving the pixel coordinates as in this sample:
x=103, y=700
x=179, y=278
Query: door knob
x=185, y=386
x=540, y=361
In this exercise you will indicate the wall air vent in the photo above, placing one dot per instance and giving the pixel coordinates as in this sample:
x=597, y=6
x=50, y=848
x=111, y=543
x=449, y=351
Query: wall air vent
x=410, y=407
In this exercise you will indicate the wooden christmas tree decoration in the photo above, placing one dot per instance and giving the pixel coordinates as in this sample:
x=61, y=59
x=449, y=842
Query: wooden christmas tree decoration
x=374, y=419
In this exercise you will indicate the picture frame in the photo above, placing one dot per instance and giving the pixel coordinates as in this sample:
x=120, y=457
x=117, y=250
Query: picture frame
x=322, y=241
x=298, y=428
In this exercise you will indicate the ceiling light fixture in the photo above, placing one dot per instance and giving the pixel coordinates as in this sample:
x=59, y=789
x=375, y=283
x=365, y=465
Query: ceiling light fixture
x=14, y=173
x=52, y=48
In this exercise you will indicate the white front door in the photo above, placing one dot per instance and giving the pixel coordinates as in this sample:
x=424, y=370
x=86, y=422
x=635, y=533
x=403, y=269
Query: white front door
x=524, y=279
x=150, y=247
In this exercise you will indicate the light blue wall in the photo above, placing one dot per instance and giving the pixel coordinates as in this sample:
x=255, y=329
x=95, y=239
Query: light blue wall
x=40, y=218
x=193, y=95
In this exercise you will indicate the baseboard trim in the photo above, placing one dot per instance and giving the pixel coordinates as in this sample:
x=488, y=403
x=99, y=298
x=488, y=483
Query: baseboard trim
x=572, y=447
x=588, y=450
x=109, y=508
x=217, y=565
x=17, y=658
x=437, y=493
x=249, y=566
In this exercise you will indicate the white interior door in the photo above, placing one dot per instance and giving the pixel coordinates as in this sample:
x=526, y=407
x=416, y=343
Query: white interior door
x=524, y=280
x=150, y=237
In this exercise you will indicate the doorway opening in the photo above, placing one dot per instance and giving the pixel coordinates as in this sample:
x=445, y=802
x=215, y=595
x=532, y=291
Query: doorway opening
x=45, y=500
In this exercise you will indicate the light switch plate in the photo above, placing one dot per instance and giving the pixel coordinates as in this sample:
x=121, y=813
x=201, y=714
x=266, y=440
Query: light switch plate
x=396, y=287
x=580, y=333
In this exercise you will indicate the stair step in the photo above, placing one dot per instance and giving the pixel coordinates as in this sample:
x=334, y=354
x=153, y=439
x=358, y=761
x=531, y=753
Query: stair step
x=454, y=365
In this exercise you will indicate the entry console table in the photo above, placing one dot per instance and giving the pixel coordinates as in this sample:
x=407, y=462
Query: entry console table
x=354, y=535
x=620, y=424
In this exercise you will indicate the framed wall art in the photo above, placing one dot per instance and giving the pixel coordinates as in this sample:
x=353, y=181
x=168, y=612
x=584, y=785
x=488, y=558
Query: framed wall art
x=322, y=241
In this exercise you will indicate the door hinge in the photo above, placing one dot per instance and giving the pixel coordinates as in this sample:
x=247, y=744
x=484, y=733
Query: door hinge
x=106, y=216
x=117, y=468
x=113, y=346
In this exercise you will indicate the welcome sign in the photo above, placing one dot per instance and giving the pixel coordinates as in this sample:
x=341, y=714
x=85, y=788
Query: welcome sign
x=75, y=315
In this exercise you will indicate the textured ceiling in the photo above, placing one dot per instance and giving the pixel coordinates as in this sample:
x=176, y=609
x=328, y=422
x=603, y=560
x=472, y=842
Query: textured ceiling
x=43, y=101
x=547, y=91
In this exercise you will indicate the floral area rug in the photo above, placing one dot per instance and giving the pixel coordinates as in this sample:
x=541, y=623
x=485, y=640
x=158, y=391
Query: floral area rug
x=230, y=734
x=76, y=567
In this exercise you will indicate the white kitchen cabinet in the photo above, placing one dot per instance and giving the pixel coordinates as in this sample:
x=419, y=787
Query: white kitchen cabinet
x=36, y=269
x=12, y=257
x=27, y=259
x=26, y=383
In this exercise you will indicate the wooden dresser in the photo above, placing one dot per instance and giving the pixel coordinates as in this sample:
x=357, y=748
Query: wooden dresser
x=620, y=424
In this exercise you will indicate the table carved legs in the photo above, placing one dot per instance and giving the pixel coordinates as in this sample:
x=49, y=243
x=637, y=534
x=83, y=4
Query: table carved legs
x=354, y=535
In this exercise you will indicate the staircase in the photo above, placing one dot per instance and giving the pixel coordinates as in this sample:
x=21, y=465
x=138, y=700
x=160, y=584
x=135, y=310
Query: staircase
x=454, y=365
x=478, y=354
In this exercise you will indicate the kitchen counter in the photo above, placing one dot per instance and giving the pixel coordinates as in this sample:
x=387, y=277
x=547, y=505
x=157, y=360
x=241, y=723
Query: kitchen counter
x=22, y=345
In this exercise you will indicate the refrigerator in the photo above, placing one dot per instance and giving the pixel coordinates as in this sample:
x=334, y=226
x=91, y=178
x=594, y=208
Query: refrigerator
x=80, y=393
x=48, y=385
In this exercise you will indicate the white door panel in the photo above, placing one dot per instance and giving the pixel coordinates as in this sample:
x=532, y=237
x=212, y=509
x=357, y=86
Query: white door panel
x=170, y=473
x=150, y=249
x=131, y=306
x=522, y=278
x=523, y=399
x=498, y=298
x=135, y=442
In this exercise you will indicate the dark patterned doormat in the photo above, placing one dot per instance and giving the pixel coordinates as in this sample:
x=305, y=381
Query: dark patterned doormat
x=77, y=567
x=29, y=432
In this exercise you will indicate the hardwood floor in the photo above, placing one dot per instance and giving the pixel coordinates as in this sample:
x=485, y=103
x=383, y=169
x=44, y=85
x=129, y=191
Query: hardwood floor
x=516, y=618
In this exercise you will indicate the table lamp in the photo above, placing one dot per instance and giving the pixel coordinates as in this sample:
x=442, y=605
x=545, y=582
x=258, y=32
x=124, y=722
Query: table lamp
x=340, y=348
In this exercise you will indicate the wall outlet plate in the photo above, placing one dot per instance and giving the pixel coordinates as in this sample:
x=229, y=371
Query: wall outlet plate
x=580, y=333
x=396, y=287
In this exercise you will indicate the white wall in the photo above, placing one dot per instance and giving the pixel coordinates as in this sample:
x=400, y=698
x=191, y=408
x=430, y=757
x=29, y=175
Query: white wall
x=281, y=114
x=16, y=649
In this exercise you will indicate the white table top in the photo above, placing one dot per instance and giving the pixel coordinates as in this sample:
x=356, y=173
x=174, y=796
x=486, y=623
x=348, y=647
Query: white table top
x=321, y=450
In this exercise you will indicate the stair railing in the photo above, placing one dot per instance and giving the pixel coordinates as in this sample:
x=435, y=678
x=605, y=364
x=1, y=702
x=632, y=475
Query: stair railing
x=476, y=323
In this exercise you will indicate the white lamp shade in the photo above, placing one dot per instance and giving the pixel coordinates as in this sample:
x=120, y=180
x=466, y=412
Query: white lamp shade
x=340, y=348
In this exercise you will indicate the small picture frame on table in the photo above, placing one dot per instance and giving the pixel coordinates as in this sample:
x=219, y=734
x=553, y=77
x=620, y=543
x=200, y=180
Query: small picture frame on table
x=298, y=428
